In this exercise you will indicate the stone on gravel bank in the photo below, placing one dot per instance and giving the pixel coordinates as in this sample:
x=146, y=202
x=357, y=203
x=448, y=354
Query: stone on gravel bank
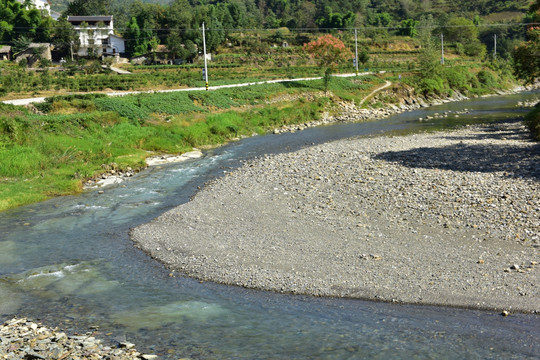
x=24, y=339
x=447, y=218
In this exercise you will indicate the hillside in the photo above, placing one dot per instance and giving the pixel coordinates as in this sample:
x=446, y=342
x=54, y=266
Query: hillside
x=298, y=13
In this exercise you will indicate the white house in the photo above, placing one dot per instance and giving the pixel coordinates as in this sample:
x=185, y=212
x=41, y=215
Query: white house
x=43, y=5
x=117, y=45
x=96, y=34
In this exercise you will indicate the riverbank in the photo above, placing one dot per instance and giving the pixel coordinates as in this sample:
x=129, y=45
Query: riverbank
x=25, y=339
x=446, y=218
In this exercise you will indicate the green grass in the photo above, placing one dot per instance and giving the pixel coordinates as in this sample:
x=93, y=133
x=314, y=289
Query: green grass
x=52, y=154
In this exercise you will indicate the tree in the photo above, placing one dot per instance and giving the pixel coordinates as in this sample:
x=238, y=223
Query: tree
x=428, y=58
x=306, y=15
x=21, y=43
x=135, y=43
x=214, y=34
x=408, y=28
x=329, y=51
x=463, y=31
x=527, y=54
x=333, y=20
x=17, y=20
x=459, y=29
x=88, y=7
x=179, y=15
x=363, y=57
x=64, y=37
x=174, y=44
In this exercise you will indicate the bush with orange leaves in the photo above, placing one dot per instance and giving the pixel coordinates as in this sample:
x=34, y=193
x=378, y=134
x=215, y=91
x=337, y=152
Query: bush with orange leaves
x=329, y=51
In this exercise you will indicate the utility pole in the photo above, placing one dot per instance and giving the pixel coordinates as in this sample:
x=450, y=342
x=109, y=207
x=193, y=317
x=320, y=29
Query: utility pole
x=442, y=49
x=495, y=46
x=205, y=64
x=356, y=49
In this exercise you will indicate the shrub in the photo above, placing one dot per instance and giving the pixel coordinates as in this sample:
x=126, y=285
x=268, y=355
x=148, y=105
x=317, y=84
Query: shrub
x=533, y=122
x=197, y=134
x=14, y=128
x=458, y=78
x=225, y=125
x=486, y=78
x=429, y=86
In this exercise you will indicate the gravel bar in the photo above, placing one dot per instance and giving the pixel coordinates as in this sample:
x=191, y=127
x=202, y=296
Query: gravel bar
x=446, y=218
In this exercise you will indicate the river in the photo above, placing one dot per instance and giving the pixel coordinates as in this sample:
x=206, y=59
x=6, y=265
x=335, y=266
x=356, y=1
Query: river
x=70, y=263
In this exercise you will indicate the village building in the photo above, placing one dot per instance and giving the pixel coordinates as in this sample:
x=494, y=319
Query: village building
x=161, y=55
x=96, y=36
x=5, y=52
x=35, y=52
x=43, y=5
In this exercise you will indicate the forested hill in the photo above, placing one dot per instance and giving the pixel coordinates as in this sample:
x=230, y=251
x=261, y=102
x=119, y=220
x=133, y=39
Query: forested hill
x=320, y=13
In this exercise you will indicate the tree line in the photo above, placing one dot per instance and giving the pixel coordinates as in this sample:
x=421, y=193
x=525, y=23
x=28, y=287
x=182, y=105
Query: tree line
x=145, y=25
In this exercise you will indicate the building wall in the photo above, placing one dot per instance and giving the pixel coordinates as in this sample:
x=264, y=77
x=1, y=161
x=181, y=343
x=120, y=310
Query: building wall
x=40, y=5
x=117, y=45
x=92, y=36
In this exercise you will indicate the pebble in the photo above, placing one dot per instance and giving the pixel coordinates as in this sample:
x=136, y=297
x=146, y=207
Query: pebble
x=433, y=204
x=21, y=338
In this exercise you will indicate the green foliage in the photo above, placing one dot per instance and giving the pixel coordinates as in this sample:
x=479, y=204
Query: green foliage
x=21, y=161
x=88, y=7
x=459, y=78
x=124, y=106
x=475, y=48
x=363, y=57
x=225, y=125
x=533, y=122
x=64, y=38
x=212, y=99
x=487, y=79
x=526, y=56
x=408, y=28
x=82, y=102
x=429, y=86
x=460, y=29
x=335, y=20
x=13, y=128
x=20, y=25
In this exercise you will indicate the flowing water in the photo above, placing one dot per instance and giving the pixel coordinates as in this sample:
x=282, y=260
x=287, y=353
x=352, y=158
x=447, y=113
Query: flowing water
x=69, y=262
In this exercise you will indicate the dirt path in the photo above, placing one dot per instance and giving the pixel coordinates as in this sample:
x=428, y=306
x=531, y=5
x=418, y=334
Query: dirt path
x=386, y=85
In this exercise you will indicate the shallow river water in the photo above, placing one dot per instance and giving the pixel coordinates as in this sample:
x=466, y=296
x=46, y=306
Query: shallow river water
x=69, y=262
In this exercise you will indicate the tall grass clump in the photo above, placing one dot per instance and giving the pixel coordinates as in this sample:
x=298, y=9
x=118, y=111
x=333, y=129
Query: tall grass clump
x=226, y=125
x=20, y=161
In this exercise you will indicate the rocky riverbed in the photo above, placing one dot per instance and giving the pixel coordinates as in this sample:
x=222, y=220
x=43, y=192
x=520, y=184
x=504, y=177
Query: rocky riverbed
x=446, y=218
x=25, y=339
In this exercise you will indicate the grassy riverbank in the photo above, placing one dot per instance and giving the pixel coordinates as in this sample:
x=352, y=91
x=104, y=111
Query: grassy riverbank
x=70, y=139
x=77, y=137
